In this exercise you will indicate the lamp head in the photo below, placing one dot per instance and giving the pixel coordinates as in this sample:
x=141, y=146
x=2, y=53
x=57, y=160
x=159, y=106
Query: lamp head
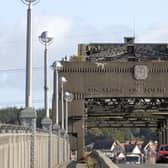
x=68, y=96
x=57, y=66
x=27, y=2
x=63, y=79
x=44, y=38
x=30, y=0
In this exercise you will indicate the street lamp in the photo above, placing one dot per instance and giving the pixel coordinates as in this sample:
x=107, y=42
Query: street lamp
x=28, y=115
x=63, y=80
x=28, y=98
x=57, y=66
x=45, y=40
x=68, y=98
x=46, y=122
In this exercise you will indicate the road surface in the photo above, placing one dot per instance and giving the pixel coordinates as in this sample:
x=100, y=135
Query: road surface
x=143, y=166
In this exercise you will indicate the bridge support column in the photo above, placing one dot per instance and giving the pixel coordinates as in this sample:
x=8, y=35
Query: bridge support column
x=47, y=125
x=76, y=126
x=80, y=139
x=62, y=133
x=66, y=142
x=28, y=119
x=67, y=147
x=166, y=131
x=160, y=136
x=57, y=130
x=163, y=132
x=77, y=139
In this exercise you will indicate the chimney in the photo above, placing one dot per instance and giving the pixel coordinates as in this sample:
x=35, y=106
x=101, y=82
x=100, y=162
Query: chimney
x=129, y=41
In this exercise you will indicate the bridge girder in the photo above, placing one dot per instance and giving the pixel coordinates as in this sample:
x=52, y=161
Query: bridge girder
x=118, y=113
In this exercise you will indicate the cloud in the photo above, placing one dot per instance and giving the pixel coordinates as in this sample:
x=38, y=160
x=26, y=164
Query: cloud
x=57, y=27
x=13, y=39
x=13, y=55
x=67, y=33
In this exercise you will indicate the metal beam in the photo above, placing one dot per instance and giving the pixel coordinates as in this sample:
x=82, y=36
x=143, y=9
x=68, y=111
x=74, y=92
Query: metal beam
x=122, y=126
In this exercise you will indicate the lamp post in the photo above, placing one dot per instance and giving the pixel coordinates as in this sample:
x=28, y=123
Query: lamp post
x=68, y=98
x=46, y=122
x=28, y=98
x=63, y=80
x=28, y=115
x=45, y=40
x=57, y=66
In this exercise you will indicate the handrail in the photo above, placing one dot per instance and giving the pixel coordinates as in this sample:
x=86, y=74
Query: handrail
x=10, y=127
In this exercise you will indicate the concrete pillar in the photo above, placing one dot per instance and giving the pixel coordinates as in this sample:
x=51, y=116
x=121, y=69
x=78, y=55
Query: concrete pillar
x=63, y=144
x=77, y=140
x=56, y=129
x=80, y=139
x=28, y=119
x=166, y=131
x=47, y=125
x=67, y=147
x=160, y=135
x=76, y=126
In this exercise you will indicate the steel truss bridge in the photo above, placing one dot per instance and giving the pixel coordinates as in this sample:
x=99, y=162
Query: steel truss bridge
x=117, y=85
x=125, y=112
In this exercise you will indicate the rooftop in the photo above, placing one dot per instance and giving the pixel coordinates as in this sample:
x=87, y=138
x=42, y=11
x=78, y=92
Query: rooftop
x=128, y=50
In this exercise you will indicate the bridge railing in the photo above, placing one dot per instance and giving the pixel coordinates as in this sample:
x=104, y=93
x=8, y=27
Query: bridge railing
x=51, y=149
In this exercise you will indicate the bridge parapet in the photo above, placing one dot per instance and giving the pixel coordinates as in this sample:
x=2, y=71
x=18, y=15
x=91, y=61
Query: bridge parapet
x=15, y=147
x=103, y=160
x=8, y=128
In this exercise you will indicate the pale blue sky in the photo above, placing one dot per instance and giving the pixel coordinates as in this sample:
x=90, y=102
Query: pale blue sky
x=70, y=22
x=99, y=14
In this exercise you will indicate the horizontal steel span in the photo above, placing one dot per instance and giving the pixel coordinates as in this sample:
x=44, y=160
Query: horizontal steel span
x=125, y=112
x=108, y=125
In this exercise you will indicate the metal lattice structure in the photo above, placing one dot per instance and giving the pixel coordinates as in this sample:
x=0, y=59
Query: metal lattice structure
x=117, y=85
x=125, y=112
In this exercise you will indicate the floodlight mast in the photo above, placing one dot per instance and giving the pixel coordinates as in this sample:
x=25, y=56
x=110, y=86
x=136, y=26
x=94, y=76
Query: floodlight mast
x=45, y=40
x=28, y=96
